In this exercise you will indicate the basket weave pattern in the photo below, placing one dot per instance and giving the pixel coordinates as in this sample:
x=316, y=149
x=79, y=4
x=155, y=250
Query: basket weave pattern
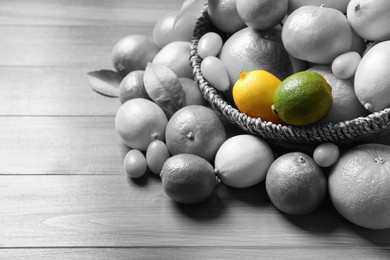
x=341, y=132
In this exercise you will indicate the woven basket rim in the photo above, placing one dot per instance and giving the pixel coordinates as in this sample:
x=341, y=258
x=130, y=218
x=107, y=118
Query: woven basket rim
x=340, y=132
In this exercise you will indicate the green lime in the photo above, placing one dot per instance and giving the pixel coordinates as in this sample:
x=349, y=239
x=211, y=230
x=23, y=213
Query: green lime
x=303, y=98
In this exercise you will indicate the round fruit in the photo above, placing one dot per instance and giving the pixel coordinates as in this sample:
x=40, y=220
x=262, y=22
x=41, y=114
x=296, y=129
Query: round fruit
x=326, y=154
x=340, y=5
x=344, y=66
x=209, y=44
x=196, y=130
x=156, y=155
x=253, y=94
x=359, y=185
x=214, y=71
x=139, y=122
x=193, y=96
x=303, y=98
x=188, y=178
x=316, y=34
x=176, y=56
x=135, y=163
x=166, y=31
x=243, y=161
x=346, y=105
x=370, y=18
x=223, y=14
x=249, y=49
x=372, y=81
x=262, y=14
x=295, y=184
x=133, y=52
x=132, y=86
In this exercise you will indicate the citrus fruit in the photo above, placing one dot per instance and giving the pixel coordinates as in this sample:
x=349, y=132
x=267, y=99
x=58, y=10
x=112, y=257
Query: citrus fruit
x=166, y=31
x=316, y=34
x=253, y=94
x=372, y=81
x=295, y=184
x=156, y=155
x=370, y=18
x=303, y=98
x=249, y=49
x=176, y=56
x=340, y=5
x=346, y=105
x=135, y=163
x=210, y=44
x=133, y=52
x=344, y=66
x=223, y=14
x=188, y=178
x=326, y=154
x=195, y=129
x=243, y=161
x=139, y=122
x=132, y=86
x=214, y=71
x=262, y=14
x=193, y=96
x=359, y=185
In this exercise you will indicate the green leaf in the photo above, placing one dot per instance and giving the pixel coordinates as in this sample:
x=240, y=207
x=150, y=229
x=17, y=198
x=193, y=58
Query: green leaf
x=187, y=5
x=105, y=82
x=164, y=88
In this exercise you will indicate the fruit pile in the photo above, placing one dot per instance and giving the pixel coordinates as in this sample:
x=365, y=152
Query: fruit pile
x=287, y=62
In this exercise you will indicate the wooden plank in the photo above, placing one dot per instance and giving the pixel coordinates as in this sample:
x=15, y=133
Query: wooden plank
x=65, y=46
x=60, y=145
x=112, y=211
x=196, y=253
x=51, y=91
x=85, y=12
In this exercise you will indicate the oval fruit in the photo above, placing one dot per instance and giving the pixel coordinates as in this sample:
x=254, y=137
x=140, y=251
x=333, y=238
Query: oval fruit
x=133, y=52
x=132, y=86
x=176, y=56
x=359, y=185
x=166, y=31
x=295, y=184
x=209, y=44
x=344, y=66
x=316, y=34
x=188, y=178
x=340, y=5
x=223, y=14
x=253, y=94
x=243, y=161
x=139, y=122
x=326, y=154
x=370, y=19
x=156, y=155
x=303, y=98
x=262, y=14
x=372, y=81
x=196, y=130
x=135, y=163
x=214, y=71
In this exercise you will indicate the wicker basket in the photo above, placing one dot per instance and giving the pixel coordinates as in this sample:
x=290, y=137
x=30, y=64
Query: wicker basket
x=346, y=133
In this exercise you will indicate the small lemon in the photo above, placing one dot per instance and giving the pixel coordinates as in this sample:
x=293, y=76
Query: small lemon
x=303, y=98
x=253, y=94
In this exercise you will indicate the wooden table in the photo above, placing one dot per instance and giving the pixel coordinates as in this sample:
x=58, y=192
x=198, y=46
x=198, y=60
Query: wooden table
x=63, y=191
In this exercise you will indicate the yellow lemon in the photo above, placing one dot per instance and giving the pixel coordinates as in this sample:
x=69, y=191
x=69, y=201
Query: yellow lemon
x=253, y=94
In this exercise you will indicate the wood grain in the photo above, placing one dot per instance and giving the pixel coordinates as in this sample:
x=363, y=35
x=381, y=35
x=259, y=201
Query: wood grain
x=63, y=190
x=60, y=145
x=113, y=211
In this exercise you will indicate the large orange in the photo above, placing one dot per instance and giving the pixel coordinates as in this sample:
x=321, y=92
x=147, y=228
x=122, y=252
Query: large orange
x=316, y=34
x=359, y=185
